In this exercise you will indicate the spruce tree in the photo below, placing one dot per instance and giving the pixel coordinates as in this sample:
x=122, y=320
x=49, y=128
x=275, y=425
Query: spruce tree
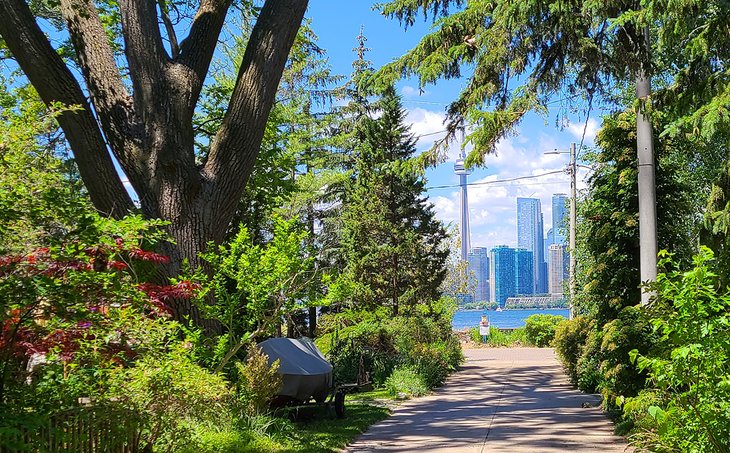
x=395, y=247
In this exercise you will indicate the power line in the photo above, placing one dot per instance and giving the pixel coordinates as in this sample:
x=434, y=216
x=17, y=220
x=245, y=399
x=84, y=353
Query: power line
x=430, y=133
x=496, y=181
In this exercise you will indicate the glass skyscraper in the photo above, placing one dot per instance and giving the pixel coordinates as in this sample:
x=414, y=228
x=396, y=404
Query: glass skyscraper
x=479, y=264
x=530, y=232
x=524, y=275
x=502, y=274
x=560, y=218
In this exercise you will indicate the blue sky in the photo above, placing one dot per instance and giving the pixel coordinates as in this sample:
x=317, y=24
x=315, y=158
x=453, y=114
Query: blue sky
x=493, y=207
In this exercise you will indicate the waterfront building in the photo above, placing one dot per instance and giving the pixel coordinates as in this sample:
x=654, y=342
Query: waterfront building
x=524, y=274
x=479, y=264
x=502, y=274
x=557, y=258
x=530, y=235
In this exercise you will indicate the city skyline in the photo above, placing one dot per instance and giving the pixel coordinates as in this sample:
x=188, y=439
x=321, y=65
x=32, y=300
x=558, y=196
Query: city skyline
x=527, y=270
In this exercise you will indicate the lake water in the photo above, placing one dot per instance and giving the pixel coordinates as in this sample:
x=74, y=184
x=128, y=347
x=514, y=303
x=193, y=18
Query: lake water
x=506, y=319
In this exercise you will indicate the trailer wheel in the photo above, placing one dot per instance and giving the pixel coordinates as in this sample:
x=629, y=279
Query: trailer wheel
x=340, y=404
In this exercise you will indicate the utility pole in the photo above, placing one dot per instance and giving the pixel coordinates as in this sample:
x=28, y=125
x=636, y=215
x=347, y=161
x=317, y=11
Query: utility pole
x=573, y=171
x=573, y=201
x=647, y=188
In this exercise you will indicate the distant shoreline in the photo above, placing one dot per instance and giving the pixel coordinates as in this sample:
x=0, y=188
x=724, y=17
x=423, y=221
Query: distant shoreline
x=513, y=309
x=509, y=318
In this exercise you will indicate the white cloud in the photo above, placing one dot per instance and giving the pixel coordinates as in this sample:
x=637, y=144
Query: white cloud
x=410, y=91
x=493, y=206
x=591, y=128
x=425, y=122
x=429, y=126
x=493, y=197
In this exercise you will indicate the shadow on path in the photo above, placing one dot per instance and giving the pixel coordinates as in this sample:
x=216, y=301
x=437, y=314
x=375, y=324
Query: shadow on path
x=511, y=400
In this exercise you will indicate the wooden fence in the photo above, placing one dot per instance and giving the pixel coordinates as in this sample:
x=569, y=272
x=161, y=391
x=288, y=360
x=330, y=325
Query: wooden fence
x=100, y=429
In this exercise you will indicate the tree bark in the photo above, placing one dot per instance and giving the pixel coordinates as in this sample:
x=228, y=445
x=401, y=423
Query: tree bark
x=150, y=130
x=56, y=85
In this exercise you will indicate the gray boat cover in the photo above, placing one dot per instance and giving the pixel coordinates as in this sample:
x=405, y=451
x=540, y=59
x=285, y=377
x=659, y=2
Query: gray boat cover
x=304, y=370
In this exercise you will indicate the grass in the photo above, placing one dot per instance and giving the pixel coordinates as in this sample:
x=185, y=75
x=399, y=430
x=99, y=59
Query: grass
x=320, y=433
x=373, y=396
x=497, y=338
x=323, y=435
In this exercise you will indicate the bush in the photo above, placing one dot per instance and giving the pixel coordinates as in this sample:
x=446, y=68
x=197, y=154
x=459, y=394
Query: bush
x=258, y=382
x=631, y=330
x=499, y=338
x=359, y=342
x=356, y=344
x=474, y=335
x=588, y=367
x=407, y=381
x=690, y=367
x=540, y=329
x=169, y=391
x=569, y=342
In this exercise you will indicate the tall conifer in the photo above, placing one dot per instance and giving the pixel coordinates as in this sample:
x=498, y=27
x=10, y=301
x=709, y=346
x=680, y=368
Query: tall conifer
x=395, y=246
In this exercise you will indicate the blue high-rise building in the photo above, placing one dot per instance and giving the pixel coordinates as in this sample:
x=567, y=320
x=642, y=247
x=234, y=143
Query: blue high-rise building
x=530, y=235
x=524, y=275
x=560, y=218
x=479, y=264
x=502, y=274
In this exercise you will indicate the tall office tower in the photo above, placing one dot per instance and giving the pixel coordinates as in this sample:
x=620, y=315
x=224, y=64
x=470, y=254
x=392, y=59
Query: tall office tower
x=502, y=274
x=547, y=242
x=524, y=275
x=479, y=265
x=560, y=218
x=541, y=287
x=463, y=172
x=556, y=257
x=530, y=237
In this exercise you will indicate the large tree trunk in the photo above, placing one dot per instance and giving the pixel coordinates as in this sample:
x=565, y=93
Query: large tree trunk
x=149, y=130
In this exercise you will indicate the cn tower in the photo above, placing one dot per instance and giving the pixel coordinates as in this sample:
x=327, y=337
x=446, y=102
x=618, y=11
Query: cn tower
x=463, y=172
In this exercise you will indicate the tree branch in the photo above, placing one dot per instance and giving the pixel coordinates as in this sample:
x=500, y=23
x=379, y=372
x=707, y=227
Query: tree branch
x=55, y=84
x=235, y=148
x=170, y=28
x=145, y=52
x=196, y=51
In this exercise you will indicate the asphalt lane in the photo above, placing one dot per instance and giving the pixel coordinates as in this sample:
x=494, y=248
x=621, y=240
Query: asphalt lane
x=502, y=400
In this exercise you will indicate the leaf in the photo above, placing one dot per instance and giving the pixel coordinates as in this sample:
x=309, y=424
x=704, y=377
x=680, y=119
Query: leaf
x=657, y=413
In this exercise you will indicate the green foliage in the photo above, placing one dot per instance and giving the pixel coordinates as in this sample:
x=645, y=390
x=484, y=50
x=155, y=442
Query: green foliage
x=569, y=343
x=255, y=285
x=500, y=338
x=406, y=382
x=540, y=329
x=167, y=389
x=258, y=381
x=393, y=243
x=689, y=407
x=608, y=250
x=41, y=199
x=619, y=375
x=373, y=344
x=93, y=329
x=608, y=278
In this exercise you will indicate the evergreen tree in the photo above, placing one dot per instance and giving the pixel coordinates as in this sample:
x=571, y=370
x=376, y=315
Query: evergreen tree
x=395, y=247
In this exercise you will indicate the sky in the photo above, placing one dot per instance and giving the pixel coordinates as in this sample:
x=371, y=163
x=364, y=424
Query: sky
x=493, y=206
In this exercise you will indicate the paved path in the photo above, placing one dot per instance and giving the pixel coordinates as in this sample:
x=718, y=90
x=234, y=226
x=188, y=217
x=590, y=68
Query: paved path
x=503, y=400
